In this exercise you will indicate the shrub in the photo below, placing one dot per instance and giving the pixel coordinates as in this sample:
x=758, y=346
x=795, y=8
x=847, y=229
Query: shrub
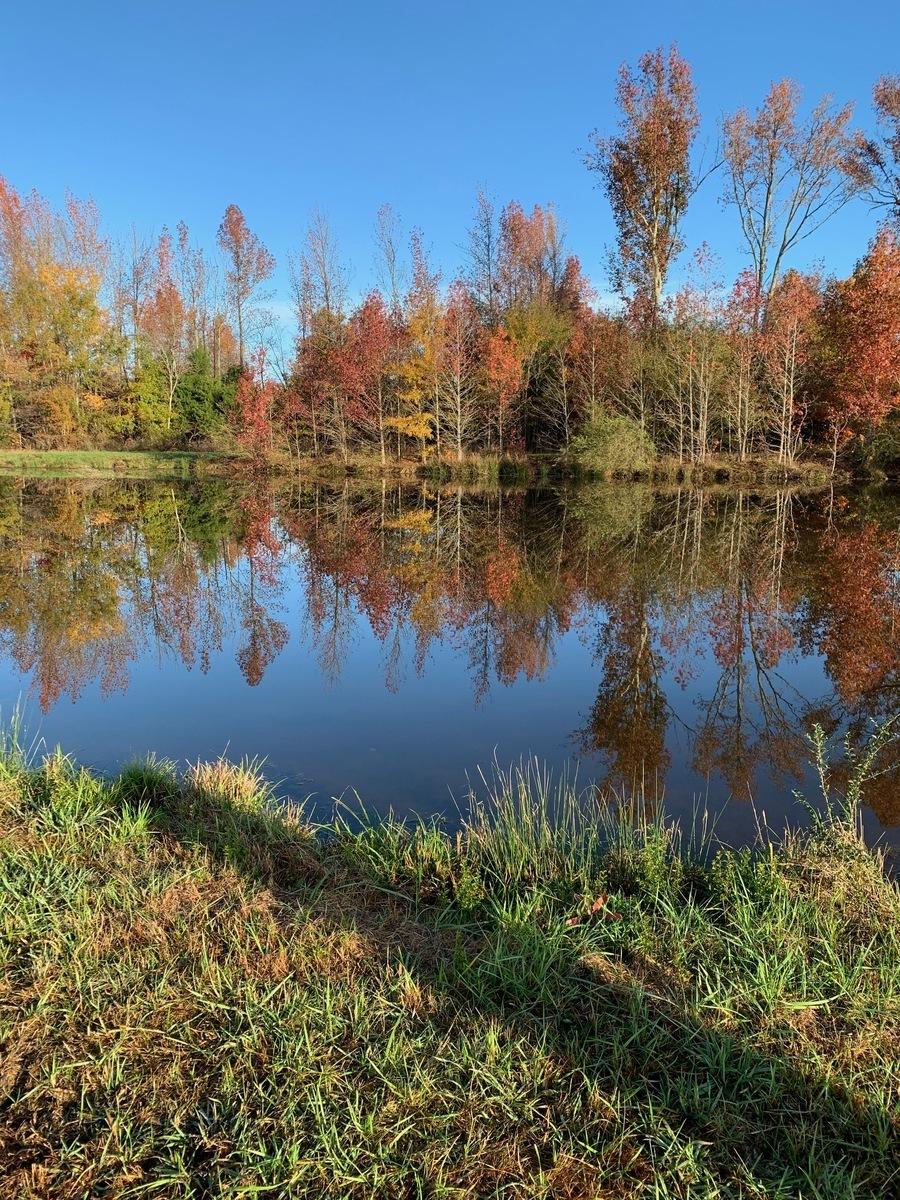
x=611, y=445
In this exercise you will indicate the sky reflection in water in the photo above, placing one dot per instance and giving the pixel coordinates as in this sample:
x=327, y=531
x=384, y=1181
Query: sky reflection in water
x=395, y=640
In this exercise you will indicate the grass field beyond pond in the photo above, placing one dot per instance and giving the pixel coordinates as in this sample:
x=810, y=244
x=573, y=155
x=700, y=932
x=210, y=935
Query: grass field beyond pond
x=201, y=996
x=86, y=464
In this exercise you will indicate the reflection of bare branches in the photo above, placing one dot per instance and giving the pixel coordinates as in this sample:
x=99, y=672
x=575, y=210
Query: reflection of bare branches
x=330, y=624
x=627, y=724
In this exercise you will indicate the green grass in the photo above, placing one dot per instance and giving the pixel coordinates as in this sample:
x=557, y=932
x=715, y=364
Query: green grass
x=474, y=469
x=144, y=464
x=203, y=996
x=536, y=468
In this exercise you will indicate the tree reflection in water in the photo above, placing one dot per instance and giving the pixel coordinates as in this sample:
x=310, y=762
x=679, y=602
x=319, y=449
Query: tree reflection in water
x=715, y=596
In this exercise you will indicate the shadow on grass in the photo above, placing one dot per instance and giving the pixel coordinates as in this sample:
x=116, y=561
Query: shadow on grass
x=682, y=1098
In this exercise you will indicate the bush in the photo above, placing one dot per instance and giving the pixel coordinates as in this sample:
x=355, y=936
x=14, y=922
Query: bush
x=611, y=445
x=884, y=447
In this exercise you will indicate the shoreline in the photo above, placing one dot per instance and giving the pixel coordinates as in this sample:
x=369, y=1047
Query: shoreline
x=109, y=464
x=535, y=469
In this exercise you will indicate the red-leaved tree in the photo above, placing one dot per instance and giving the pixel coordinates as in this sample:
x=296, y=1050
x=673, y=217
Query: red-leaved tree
x=503, y=379
x=861, y=336
x=255, y=400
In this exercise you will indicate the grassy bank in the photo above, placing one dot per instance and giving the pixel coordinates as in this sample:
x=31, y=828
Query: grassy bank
x=539, y=468
x=474, y=469
x=201, y=996
x=104, y=464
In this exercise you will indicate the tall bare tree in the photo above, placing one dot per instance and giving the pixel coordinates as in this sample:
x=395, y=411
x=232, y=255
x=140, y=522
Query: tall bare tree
x=879, y=156
x=482, y=275
x=318, y=278
x=786, y=176
x=135, y=270
x=388, y=265
x=194, y=282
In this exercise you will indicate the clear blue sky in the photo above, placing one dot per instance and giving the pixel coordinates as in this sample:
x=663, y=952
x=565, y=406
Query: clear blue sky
x=165, y=111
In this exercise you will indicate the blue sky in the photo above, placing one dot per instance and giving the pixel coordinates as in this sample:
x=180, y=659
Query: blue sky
x=167, y=111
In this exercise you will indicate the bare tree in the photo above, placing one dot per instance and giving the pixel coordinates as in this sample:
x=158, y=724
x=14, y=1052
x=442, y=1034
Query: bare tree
x=785, y=176
x=318, y=279
x=193, y=275
x=483, y=257
x=134, y=274
x=879, y=156
x=302, y=293
x=391, y=274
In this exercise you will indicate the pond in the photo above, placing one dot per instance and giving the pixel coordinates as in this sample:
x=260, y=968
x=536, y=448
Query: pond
x=397, y=640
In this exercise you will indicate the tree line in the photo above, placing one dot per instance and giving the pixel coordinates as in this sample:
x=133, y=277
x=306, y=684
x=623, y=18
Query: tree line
x=159, y=343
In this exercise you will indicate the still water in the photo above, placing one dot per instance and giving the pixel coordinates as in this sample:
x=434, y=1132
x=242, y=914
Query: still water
x=395, y=640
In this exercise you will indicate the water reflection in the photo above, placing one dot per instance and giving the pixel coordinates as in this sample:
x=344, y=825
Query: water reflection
x=716, y=627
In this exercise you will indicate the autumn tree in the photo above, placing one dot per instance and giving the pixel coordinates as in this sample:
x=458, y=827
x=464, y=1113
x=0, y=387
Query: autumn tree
x=254, y=402
x=223, y=346
x=421, y=367
x=787, y=346
x=319, y=289
x=457, y=363
x=56, y=339
x=503, y=381
x=600, y=353
x=786, y=176
x=530, y=258
x=164, y=322
x=249, y=265
x=318, y=382
x=364, y=362
x=538, y=289
x=646, y=170
x=696, y=367
x=879, y=155
x=409, y=418
x=15, y=270
x=861, y=341
x=741, y=402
